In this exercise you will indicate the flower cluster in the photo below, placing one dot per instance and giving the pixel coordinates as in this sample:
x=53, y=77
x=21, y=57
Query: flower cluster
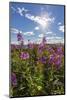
x=13, y=79
x=24, y=55
x=19, y=37
x=39, y=68
x=30, y=45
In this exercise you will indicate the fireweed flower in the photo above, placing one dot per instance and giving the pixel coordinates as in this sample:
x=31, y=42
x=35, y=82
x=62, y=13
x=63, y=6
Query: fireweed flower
x=19, y=37
x=24, y=55
x=13, y=46
x=50, y=49
x=17, y=46
x=43, y=59
x=30, y=45
x=13, y=79
x=51, y=58
x=22, y=42
x=44, y=40
x=42, y=44
x=40, y=47
x=59, y=50
x=57, y=61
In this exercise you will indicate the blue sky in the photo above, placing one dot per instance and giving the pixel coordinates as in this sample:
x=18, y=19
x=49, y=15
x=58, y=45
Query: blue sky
x=34, y=21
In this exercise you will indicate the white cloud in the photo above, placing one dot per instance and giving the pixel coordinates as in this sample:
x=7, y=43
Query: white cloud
x=42, y=20
x=38, y=41
x=14, y=42
x=59, y=23
x=22, y=10
x=19, y=10
x=29, y=16
x=36, y=28
x=14, y=30
x=61, y=28
x=41, y=35
x=28, y=33
x=56, y=39
x=25, y=42
x=13, y=8
x=49, y=32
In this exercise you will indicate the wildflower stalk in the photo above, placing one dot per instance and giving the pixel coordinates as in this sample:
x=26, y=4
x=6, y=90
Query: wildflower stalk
x=52, y=78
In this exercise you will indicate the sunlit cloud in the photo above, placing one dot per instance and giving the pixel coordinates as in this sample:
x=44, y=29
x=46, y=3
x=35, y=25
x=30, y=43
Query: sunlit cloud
x=59, y=23
x=22, y=11
x=38, y=41
x=25, y=42
x=56, y=39
x=50, y=33
x=14, y=30
x=15, y=42
x=42, y=23
x=61, y=28
x=41, y=35
x=19, y=10
x=36, y=28
x=41, y=20
x=28, y=33
x=13, y=8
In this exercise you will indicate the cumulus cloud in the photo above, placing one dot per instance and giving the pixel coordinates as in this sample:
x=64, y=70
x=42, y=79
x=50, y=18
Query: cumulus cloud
x=61, y=28
x=38, y=41
x=36, y=28
x=28, y=33
x=14, y=30
x=42, y=20
x=22, y=11
x=25, y=42
x=59, y=23
x=49, y=32
x=41, y=35
x=56, y=39
x=14, y=42
x=13, y=8
x=19, y=10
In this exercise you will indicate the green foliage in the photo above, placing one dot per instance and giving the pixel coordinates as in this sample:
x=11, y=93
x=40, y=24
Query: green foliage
x=35, y=78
